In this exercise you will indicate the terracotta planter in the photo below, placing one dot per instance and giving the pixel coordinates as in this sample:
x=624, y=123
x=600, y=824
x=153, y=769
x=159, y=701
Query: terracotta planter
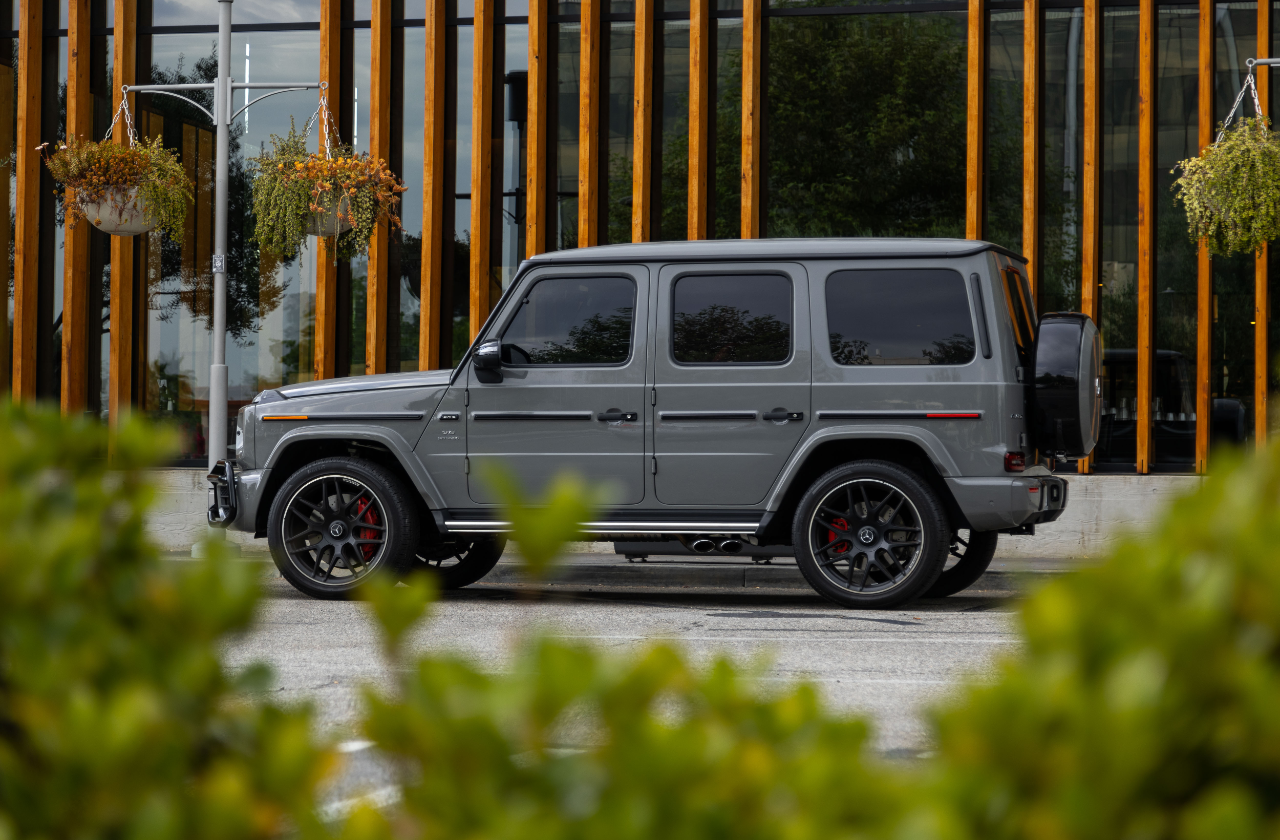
x=121, y=213
x=330, y=222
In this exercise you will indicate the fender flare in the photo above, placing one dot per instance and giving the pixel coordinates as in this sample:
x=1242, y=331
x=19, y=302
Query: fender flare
x=927, y=441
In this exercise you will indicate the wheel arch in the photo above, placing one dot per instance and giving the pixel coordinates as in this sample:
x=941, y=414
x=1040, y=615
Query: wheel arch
x=835, y=449
x=295, y=451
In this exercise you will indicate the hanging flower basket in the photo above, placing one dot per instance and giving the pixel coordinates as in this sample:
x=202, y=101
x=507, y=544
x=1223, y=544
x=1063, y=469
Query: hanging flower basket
x=122, y=190
x=332, y=194
x=1231, y=192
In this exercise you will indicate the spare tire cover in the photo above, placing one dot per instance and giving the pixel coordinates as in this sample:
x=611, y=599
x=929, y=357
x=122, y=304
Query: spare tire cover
x=1066, y=402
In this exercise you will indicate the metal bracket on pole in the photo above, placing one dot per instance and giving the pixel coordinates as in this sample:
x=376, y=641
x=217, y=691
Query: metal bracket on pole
x=1263, y=62
x=221, y=117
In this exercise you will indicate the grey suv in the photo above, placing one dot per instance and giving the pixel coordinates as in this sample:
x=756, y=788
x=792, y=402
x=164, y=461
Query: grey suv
x=884, y=407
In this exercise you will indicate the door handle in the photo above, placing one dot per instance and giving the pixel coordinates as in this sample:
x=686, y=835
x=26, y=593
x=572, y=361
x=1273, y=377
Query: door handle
x=615, y=416
x=782, y=415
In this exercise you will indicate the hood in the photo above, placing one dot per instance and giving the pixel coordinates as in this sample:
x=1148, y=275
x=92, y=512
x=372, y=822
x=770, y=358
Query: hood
x=379, y=382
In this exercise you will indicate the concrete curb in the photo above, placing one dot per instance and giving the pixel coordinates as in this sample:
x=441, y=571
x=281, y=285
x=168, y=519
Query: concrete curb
x=724, y=576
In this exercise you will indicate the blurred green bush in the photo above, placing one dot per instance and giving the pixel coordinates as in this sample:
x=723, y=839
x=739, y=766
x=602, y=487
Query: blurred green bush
x=117, y=719
x=1144, y=704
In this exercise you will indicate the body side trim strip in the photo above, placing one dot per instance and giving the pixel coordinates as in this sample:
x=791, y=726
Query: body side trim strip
x=380, y=415
x=531, y=415
x=706, y=415
x=899, y=415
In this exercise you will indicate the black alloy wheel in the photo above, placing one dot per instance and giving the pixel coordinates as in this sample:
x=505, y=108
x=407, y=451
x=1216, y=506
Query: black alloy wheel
x=457, y=562
x=869, y=534
x=968, y=558
x=338, y=521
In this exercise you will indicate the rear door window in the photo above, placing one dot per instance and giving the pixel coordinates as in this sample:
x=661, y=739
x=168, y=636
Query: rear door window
x=1022, y=307
x=731, y=319
x=911, y=316
x=572, y=321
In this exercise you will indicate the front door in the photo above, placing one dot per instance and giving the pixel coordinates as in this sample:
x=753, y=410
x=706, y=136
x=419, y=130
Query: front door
x=732, y=380
x=571, y=397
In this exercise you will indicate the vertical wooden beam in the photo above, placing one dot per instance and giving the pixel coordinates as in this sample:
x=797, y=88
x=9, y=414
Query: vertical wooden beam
x=1146, y=225
x=700, y=23
x=1204, y=263
x=589, y=125
x=433, y=181
x=1091, y=172
x=377, y=282
x=481, y=160
x=1031, y=140
x=6, y=152
x=535, y=239
x=975, y=144
x=26, y=274
x=642, y=123
x=75, y=263
x=1261, y=309
x=326, y=322
x=120, y=368
x=752, y=115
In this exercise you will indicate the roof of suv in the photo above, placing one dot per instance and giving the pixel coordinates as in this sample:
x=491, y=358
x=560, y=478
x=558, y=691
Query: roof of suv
x=776, y=249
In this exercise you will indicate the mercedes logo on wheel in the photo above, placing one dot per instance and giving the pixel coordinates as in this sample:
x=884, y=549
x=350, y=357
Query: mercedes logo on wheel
x=335, y=528
x=867, y=535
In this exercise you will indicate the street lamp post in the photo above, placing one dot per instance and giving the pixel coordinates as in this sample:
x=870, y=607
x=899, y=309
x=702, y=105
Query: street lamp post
x=223, y=88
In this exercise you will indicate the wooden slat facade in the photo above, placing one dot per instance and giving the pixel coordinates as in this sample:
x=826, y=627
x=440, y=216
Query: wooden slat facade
x=975, y=118
x=589, y=124
x=481, y=161
x=1204, y=262
x=26, y=260
x=752, y=115
x=377, y=281
x=642, y=120
x=434, y=177
x=536, y=129
x=120, y=368
x=700, y=115
x=75, y=263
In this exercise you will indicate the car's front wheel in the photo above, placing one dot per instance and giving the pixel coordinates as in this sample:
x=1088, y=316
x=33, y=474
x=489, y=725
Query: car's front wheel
x=339, y=521
x=870, y=534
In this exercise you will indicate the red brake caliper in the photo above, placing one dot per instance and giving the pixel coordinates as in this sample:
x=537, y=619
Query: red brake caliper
x=366, y=513
x=844, y=545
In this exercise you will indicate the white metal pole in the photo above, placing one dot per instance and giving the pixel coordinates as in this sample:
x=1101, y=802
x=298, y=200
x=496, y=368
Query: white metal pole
x=218, y=369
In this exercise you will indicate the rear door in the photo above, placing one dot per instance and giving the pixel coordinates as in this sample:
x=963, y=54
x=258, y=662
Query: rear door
x=731, y=380
x=572, y=393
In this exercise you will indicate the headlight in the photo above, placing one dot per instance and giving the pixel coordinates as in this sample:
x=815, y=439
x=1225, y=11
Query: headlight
x=240, y=436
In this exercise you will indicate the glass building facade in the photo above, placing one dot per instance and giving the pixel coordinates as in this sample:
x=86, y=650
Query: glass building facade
x=523, y=126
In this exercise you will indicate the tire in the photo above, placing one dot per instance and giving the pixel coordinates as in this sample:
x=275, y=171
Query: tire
x=456, y=563
x=972, y=551
x=337, y=522
x=878, y=564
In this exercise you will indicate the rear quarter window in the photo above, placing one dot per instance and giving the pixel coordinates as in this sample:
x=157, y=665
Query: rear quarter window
x=906, y=316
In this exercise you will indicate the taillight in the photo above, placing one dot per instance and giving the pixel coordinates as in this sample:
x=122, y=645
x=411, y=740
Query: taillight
x=1014, y=462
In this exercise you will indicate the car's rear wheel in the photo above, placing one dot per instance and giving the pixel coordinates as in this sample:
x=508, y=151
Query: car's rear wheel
x=870, y=534
x=458, y=562
x=337, y=522
x=969, y=556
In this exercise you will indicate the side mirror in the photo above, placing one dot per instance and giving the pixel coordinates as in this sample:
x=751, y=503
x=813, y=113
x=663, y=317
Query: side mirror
x=487, y=360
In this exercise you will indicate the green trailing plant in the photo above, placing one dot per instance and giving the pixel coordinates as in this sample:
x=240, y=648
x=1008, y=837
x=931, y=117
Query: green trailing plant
x=294, y=190
x=1231, y=192
x=103, y=172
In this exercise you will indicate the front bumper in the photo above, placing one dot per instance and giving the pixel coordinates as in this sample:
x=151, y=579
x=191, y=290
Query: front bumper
x=1002, y=503
x=234, y=497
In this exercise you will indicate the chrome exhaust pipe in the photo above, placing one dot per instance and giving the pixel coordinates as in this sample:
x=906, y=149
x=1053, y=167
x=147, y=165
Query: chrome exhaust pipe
x=732, y=545
x=702, y=545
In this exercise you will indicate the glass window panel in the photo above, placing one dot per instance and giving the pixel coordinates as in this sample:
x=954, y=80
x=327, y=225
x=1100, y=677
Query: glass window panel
x=1177, y=125
x=899, y=317
x=515, y=151
x=673, y=6
x=358, y=275
x=672, y=221
x=618, y=120
x=1063, y=102
x=1117, y=299
x=1003, y=169
x=461, y=256
x=802, y=3
x=53, y=123
x=270, y=301
x=564, y=207
x=415, y=9
x=362, y=10
x=621, y=7
x=866, y=125
x=572, y=321
x=407, y=245
x=1232, y=356
x=517, y=8
x=727, y=223
x=740, y=319
x=202, y=13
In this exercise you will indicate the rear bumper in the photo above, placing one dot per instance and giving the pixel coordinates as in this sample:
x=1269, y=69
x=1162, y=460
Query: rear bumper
x=996, y=504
